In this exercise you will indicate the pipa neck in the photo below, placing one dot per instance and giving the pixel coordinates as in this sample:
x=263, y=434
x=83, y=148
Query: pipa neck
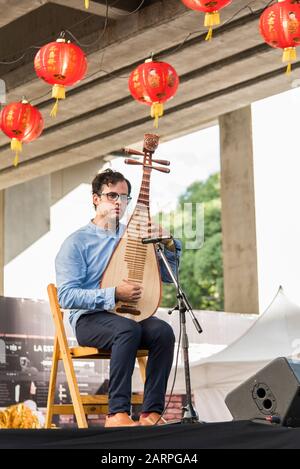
x=143, y=198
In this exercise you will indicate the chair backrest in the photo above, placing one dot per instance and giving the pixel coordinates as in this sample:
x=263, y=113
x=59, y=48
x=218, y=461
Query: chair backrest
x=54, y=304
x=57, y=313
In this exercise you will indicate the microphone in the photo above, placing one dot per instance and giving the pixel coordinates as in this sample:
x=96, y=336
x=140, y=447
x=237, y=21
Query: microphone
x=156, y=240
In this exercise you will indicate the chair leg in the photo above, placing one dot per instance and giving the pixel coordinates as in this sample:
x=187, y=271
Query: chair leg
x=142, y=361
x=52, y=384
x=74, y=391
x=66, y=358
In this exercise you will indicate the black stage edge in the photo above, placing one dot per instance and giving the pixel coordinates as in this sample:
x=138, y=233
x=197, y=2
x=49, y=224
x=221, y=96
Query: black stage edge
x=229, y=435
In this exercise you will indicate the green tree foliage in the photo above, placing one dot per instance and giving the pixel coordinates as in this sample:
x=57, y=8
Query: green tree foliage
x=201, y=270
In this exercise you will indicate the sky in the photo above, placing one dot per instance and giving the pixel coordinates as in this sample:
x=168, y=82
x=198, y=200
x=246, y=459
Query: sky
x=195, y=157
x=277, y=193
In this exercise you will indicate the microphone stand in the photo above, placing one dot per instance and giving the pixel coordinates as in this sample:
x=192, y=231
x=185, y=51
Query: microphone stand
x=189, y=414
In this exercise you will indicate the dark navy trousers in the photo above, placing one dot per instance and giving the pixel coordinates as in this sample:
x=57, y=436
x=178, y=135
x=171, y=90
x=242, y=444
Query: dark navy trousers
x=123, y=337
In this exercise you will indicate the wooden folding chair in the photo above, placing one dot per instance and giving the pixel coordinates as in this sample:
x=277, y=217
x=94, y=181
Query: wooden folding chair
x=81, y=405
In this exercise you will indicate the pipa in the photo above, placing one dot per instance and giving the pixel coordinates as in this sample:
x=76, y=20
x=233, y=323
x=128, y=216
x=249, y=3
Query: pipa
x=131, y=259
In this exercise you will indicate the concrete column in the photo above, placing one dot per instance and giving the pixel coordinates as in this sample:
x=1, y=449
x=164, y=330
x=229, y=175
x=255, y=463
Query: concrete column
x=25, y=208
x=238, y=212
x=66, y=180
x=26, y=215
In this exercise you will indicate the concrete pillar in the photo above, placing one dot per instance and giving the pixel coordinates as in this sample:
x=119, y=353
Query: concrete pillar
x=66, y=180
x=25, y=212
x=26, y=215
x=238, y=212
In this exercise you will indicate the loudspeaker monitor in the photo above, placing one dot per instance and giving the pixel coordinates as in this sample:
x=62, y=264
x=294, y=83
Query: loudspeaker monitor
x=272, y=393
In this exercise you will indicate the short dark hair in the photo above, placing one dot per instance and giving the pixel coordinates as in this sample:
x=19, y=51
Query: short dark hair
x=108, y=176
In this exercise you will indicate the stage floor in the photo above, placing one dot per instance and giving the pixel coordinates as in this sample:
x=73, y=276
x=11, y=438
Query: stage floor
x=233, y=435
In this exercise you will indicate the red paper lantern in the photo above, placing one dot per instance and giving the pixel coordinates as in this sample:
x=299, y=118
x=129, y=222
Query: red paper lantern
x=154, y=83
x=60, y=64
x=21, y=122
x=280, y=27
x=211, y=10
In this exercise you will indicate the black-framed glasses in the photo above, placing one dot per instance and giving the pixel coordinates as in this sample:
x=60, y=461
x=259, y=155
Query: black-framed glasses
x=114, y=196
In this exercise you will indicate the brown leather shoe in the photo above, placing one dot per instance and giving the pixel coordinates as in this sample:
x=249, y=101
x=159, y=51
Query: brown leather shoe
x=121, y=419
x=152, y=419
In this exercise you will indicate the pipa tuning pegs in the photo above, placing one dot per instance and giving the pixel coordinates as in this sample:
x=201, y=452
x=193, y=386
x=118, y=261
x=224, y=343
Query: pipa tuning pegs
x=131, y=161
x=163, y=162
x=130, y=151
x=162, y=170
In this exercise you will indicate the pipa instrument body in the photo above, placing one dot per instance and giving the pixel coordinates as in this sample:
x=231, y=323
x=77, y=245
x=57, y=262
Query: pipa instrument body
x=132, y=260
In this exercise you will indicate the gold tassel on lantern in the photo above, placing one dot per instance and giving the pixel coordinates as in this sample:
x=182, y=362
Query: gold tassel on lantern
x=16, y=147
x=58, y=92
x=289, y=55
x=157, y=111
x=86, y=3
x=211, y=19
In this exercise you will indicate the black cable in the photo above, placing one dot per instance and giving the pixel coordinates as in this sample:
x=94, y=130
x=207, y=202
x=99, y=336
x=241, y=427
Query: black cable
x=175, y=377
x=178, y=346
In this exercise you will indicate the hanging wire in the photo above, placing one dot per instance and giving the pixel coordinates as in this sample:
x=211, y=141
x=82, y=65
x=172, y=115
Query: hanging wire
x=112, y=73
x=40, y=97
x=81, y=44
x=177, y=48
x=204, y=30
x=128, y=13
x=10, y=62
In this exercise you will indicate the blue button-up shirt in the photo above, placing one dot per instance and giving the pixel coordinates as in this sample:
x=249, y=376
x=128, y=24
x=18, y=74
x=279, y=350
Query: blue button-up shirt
x=80, y=265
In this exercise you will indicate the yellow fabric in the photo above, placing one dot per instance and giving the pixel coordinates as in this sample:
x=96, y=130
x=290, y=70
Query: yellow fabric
x=16, y=147
x=54, y=110
x=157, y=111
x=288, y=69
x=58, y=92
x=289, y=55
x=212, y=19
x=209, y=34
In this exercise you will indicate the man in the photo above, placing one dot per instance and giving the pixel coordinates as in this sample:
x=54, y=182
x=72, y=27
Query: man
x=80, y=265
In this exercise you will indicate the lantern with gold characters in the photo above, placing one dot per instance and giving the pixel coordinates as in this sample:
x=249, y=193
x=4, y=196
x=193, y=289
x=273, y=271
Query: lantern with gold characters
x=154, y=83
x=60, y=64
x=22, y=123
x=211, y=10
x=280, y=27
